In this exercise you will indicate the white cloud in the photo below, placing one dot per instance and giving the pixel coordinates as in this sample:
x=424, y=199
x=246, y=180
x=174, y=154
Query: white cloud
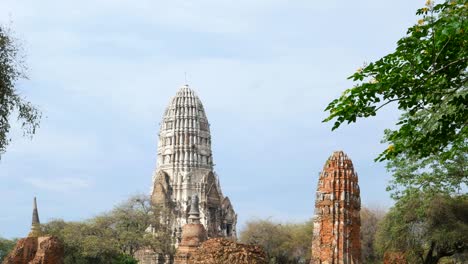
x=51, y=141
x=59, y=184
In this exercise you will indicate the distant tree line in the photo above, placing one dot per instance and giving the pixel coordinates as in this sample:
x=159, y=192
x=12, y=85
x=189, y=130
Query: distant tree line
x=112, y=237
x=424, y=230
x=116, y=236
x=290, y=243
x=6, y=246
x=285, y=243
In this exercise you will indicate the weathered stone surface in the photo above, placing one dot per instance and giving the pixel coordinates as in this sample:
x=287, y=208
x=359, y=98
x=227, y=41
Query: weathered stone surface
x=36, y=250
x=23, y=252
x=148, y=256
x=336, y=237
x=185, y=167
x=193, y=235
x=223, y=251
x=50, y=251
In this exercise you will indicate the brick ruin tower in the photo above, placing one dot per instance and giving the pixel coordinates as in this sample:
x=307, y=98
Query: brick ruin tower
x=337, y=223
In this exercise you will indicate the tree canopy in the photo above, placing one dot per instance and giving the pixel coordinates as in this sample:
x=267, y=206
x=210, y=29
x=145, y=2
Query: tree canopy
x=434, y=174
x=370, y=218
x=426, y=77
x=11, y=102
x=5, y=246
x=114, y=237
x=285, y=243
x=426, y=228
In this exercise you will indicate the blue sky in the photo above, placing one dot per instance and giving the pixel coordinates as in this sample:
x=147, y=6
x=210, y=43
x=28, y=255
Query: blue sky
x=102, y=72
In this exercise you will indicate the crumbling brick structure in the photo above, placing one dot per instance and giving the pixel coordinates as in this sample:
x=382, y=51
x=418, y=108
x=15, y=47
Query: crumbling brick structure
x=223, y=251
x=337, y=223
x=193, y=234
x=37, y=248
x=194, y=249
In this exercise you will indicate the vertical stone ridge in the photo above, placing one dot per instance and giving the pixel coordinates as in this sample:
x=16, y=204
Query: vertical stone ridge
x=336, y=235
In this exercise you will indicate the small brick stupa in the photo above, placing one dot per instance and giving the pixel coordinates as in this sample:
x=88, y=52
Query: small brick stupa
x=193, y=234
x=37, y=248
x=194, y=247
x=337, y=222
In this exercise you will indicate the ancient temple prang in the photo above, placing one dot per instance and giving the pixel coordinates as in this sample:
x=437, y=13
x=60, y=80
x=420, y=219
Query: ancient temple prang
x=337, y=222
x=185, y=168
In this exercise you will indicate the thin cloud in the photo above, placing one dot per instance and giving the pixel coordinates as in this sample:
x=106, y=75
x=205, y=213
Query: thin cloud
x=62, y=185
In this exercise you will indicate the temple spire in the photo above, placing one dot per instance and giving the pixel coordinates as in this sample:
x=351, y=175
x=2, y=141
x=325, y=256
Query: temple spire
x=184, y=138
x=184, y=167
x=36, y=224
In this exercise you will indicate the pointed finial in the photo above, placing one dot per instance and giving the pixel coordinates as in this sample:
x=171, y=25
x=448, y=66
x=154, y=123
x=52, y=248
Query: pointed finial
x=36, y=224
x=185, y=76
x=194, y=214
x=35, y=216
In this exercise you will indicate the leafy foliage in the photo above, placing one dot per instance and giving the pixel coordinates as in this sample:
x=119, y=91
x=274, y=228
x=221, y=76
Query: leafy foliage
x=426, y=77
x=83, y=242
x=113, y=237
x=434, y=174
x=284, y=243
x=426, y=227
x=6, y=246
x=11, y=70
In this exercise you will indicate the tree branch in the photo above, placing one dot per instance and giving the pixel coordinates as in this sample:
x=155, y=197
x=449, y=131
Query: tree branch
x=440, y=51
x=449, y=64
x=386, y=103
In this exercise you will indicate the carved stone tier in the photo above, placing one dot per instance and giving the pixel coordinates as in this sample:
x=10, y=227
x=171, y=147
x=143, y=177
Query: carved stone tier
x=185, y=168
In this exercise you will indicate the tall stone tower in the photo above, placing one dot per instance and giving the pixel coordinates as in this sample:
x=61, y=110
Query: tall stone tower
x=337, y=222
x=185, y=168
